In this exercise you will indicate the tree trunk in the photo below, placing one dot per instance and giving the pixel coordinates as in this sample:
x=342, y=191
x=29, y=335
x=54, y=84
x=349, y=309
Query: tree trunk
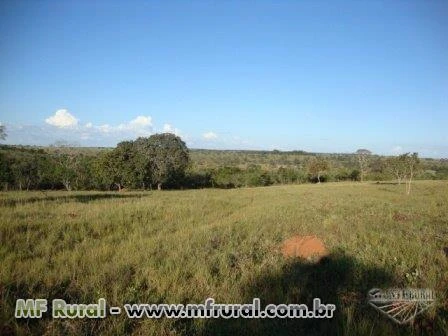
x=318, y=178
x=67, y=185
x=159, y=186
x=408, y=191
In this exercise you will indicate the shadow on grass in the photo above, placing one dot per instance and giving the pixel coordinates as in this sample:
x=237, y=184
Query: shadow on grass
x=83, y=198
x=337, y=279
x=386, y=183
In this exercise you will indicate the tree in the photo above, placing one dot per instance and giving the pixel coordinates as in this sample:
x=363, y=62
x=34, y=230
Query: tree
x=168, y=157
x=397, y=166
x=118, y=166
x=412, y=164
x=404, y=168
x=317, y=166
x=24, y=169
x=6, y=175
x=3, y=132
x=66, y=165
x=142, y=161
x=84, y=172
x=363, y=159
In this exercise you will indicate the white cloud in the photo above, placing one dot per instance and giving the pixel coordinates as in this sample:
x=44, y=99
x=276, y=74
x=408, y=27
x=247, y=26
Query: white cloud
x=167, y=128
x=141, y=121
x=64, y=125
x=106, y=128
x=397, y=150
x=62, y=118
x=210, y=136
x=140, y=126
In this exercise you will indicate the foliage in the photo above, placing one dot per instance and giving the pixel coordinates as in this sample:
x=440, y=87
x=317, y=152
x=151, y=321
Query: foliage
x=363, y=159
x=166, y=156
x=317, y=166
x=143, y=164
x=412, y=165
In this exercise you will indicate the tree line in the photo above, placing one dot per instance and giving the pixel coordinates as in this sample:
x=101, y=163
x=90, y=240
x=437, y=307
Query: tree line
x=158, y=160
x=164, y=161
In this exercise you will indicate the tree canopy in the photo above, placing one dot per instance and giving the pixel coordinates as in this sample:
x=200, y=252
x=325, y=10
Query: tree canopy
x=156, y=160
x=317, y=166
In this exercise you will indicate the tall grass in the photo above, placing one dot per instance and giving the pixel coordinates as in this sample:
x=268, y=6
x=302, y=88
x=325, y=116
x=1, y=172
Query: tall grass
x=185, y=246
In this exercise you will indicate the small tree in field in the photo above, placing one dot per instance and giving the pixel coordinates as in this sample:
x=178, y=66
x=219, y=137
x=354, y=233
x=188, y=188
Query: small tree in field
x=317, y=166
x=404, y=167
x=397, y=166
x=363, y=159
x=412, y=164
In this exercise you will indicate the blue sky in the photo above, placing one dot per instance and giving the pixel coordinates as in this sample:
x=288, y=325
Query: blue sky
x=328, y=76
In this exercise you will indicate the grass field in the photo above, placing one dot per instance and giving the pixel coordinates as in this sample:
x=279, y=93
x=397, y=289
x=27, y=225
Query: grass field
x=186, y=246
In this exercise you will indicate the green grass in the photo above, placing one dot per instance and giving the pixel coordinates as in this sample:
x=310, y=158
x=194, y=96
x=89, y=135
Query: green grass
x=185, y=246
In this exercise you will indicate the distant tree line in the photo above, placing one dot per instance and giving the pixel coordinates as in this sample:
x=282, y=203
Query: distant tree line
x=164, y=161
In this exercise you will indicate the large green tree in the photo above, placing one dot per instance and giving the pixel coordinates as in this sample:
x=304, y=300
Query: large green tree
x=167, y=156
x=118, y=166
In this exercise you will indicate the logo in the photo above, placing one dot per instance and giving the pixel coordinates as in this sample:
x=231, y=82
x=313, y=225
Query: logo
x=401, y=305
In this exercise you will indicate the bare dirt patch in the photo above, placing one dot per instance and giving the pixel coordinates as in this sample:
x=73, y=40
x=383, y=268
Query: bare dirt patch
x=307, y=247
x=400, y=217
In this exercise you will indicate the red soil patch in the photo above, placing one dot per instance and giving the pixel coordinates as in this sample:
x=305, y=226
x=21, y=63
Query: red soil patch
x=399, y=217
x=304, y=247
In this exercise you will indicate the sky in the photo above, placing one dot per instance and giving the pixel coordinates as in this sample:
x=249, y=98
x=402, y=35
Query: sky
x=320, y=76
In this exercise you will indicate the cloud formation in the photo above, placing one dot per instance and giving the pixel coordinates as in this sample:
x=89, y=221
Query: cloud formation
x=141, y=125
x=397, y=150
x=62, y=119
x=167, y=128
x=105, y=133
x=140, y=121
x=210, y=136
x=64, y=126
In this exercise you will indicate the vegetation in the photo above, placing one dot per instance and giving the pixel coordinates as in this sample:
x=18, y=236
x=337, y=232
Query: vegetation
x=185, y=246
x=159, y=159
x=363, y=159
x=163, y=160
x=317, y=166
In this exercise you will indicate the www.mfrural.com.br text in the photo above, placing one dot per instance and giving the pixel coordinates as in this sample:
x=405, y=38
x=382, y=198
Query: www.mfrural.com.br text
x=60, y=309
